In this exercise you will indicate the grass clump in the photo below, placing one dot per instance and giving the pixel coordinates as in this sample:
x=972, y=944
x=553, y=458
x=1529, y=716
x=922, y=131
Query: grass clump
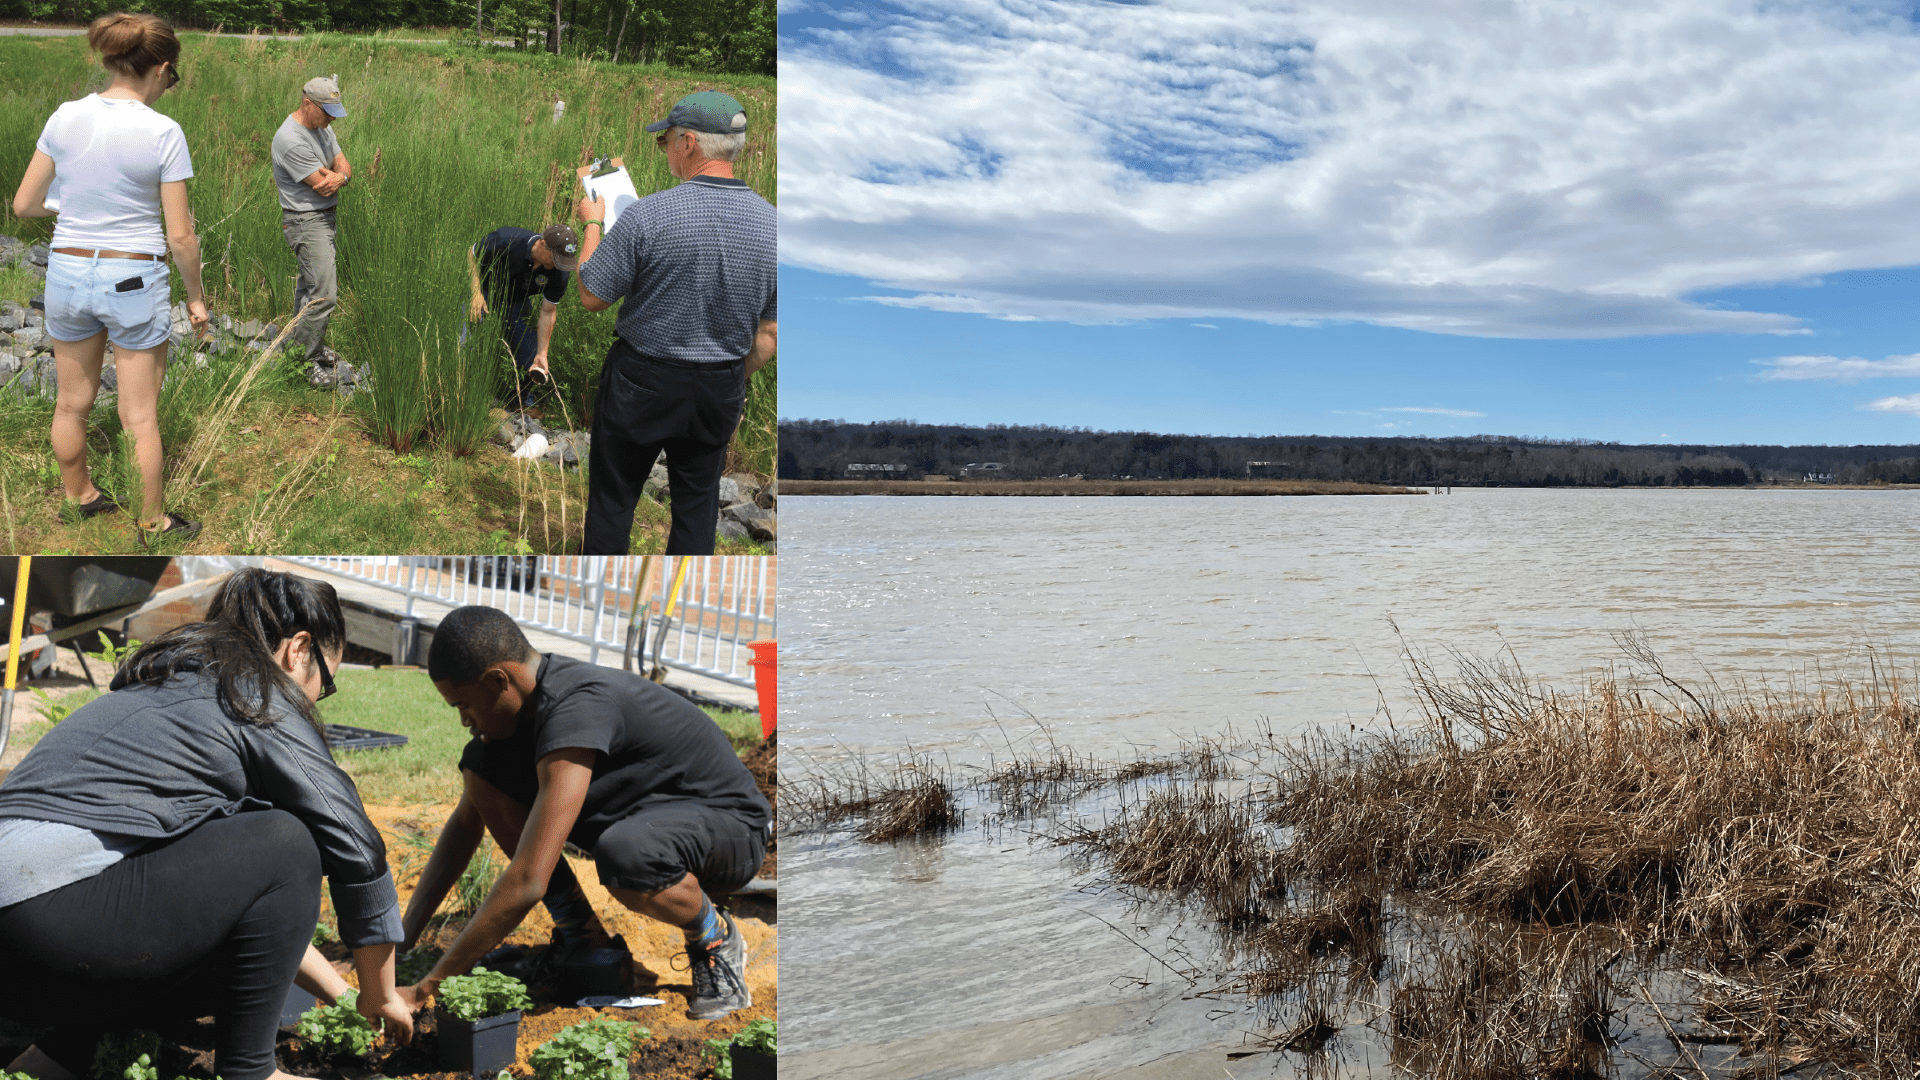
x=915, y=800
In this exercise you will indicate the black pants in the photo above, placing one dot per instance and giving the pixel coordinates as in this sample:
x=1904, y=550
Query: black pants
x=647, y=405
x=211, y=924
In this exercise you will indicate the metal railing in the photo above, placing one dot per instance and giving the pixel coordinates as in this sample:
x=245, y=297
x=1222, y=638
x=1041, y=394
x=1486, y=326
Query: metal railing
x=724, y=601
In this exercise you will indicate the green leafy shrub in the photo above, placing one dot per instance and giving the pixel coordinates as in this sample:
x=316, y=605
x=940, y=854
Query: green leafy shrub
x=334, y=1028
x=762, y=1035
x=590, y=1050
x=482, y=994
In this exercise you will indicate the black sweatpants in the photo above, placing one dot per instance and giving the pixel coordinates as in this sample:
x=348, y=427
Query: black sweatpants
x=211, y=924
x=646, y=405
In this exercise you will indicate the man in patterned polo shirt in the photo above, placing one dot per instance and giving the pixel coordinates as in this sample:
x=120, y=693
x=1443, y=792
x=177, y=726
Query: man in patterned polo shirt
x=697, y=267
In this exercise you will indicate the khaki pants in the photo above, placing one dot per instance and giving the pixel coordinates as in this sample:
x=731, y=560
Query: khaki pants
x=310, y=234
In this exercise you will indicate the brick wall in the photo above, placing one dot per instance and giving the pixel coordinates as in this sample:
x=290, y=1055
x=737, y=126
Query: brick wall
x=190, y=608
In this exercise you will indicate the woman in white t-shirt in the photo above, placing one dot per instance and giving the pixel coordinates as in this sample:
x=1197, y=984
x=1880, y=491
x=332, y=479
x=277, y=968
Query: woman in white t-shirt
x=122, y=170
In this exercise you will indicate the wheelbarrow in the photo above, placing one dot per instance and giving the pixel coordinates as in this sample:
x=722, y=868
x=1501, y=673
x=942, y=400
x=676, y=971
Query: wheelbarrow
x=83, y=593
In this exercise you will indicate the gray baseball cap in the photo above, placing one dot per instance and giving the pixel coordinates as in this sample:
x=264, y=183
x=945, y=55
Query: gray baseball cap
x=564, y=244
x=325, y=92
x=709, y=110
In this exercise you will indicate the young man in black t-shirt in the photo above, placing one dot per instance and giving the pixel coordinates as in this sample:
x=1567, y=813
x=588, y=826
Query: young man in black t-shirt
x=508, y=268
x=621, y=767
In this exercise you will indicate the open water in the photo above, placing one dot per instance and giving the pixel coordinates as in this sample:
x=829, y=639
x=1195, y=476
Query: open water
x=968, y=626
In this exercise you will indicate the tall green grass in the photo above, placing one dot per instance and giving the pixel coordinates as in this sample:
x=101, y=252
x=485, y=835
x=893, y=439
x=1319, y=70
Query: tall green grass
x=446, y=144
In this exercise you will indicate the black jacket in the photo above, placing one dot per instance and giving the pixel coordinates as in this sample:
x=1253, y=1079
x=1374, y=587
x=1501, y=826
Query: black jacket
x=155, y=762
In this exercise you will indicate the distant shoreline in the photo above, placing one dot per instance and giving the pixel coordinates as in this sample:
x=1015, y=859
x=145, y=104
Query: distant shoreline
x=1057, y=488
x=1088, y=487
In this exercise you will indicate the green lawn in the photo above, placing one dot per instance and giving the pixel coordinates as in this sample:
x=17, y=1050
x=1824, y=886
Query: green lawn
x=425, y=770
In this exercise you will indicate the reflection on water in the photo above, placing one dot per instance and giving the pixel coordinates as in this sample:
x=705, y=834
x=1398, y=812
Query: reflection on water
x=1121, y=624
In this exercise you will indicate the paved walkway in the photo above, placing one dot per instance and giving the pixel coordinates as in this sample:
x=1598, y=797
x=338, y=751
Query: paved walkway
x=429, y=611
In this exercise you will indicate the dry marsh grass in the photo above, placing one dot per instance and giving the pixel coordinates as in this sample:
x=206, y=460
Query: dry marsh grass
x=1641, y=877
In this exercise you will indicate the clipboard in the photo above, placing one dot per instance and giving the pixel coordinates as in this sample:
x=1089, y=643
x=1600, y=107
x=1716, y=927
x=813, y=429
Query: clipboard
x=607, y=178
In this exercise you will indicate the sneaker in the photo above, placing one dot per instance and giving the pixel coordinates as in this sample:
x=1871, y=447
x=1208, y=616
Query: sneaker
x=719, y=976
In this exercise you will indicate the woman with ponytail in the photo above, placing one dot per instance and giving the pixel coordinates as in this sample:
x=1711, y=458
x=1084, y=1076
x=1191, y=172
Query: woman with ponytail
x=120, y=169
x=161, y=849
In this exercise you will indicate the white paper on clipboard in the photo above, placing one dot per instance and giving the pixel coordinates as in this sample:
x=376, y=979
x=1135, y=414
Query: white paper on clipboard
x=617, y=188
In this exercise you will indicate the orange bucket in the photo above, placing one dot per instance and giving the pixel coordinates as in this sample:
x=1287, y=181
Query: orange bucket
x=766, y=678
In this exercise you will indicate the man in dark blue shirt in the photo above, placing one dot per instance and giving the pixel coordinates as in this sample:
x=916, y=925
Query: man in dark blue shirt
x=697, y=265
x=509, y=267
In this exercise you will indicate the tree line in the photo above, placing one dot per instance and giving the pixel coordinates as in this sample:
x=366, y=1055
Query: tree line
x=822, y=450
x=737, y=36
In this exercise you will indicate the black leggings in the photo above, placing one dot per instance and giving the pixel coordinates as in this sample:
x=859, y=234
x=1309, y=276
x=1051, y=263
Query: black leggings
x=212, y=924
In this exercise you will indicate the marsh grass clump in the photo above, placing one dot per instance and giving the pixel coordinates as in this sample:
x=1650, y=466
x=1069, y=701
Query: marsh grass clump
x=915, y=799
x=1189, y=841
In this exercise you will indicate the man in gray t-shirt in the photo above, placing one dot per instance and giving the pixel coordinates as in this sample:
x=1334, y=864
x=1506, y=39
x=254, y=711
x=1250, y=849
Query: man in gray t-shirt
x=696, y=267
x=309, y=170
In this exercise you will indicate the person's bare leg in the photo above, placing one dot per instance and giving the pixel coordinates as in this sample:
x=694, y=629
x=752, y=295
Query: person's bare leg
x=141, y=372
x=77, y=366
x=676, y=905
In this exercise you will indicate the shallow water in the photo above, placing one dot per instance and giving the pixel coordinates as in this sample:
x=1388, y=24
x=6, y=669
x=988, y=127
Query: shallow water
x=1120, y=625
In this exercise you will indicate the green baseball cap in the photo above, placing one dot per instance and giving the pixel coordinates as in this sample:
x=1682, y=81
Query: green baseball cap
x=709, y=110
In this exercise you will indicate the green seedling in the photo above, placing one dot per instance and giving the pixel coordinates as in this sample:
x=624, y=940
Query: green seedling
x=761, y=1035
x=417, y=964
x=332, y=1029
x=320, y=935
x=482, y=994
x=142, y=1069
x=590, y=1050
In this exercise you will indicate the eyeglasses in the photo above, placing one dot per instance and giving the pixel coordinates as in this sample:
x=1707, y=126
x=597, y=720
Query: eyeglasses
x=327, y=688
x=173, y=75
x=660, y=140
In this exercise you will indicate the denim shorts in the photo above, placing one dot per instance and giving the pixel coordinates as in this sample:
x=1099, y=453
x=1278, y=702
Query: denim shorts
x=82, y=300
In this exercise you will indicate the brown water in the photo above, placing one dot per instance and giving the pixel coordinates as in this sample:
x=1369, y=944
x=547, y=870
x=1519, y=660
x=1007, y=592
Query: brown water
x=941, y=624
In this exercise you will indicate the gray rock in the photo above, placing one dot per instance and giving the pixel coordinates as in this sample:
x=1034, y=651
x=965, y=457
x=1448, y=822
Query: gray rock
x=730, y=529
x=17, y=311
x=748, y=484
x=38, y=255
x=199, y=363
x=505, y=434
x=12, y=251
x=247, y=330
x=110, y=378
x=9, y=364
x=744, y=512
x=766, y=530
x=8, y=322
x=223, y=322
x=29, y=335
x=730, y=491
x=35, y=320
x=656, y=486
x=566, y=450
x=39, y=272
x=768, y=495
x=272, y=331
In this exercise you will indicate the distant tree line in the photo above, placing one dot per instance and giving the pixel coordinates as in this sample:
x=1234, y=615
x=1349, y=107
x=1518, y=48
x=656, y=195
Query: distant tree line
x=822, y=450
x=704, y=35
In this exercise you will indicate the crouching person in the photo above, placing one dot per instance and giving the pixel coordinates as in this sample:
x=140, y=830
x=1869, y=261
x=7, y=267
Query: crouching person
x=625, y=769
x=161, y=849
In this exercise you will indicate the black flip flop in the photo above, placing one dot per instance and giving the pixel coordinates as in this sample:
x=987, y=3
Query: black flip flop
x=177, y=526
x=102, y=504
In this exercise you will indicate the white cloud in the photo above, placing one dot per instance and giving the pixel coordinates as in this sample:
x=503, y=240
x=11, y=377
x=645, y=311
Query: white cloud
x=1205, y=326
x=1834, y=369
x=1433, y=410
x=1556, y=169
x=1909, y=404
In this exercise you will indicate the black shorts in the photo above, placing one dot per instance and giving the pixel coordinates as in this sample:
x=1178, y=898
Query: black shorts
x=651, y=848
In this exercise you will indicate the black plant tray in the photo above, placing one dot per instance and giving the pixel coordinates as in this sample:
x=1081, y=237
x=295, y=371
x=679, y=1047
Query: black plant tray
x=342, y=737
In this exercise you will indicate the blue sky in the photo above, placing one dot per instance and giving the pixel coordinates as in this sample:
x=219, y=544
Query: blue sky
x=1642, y=222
